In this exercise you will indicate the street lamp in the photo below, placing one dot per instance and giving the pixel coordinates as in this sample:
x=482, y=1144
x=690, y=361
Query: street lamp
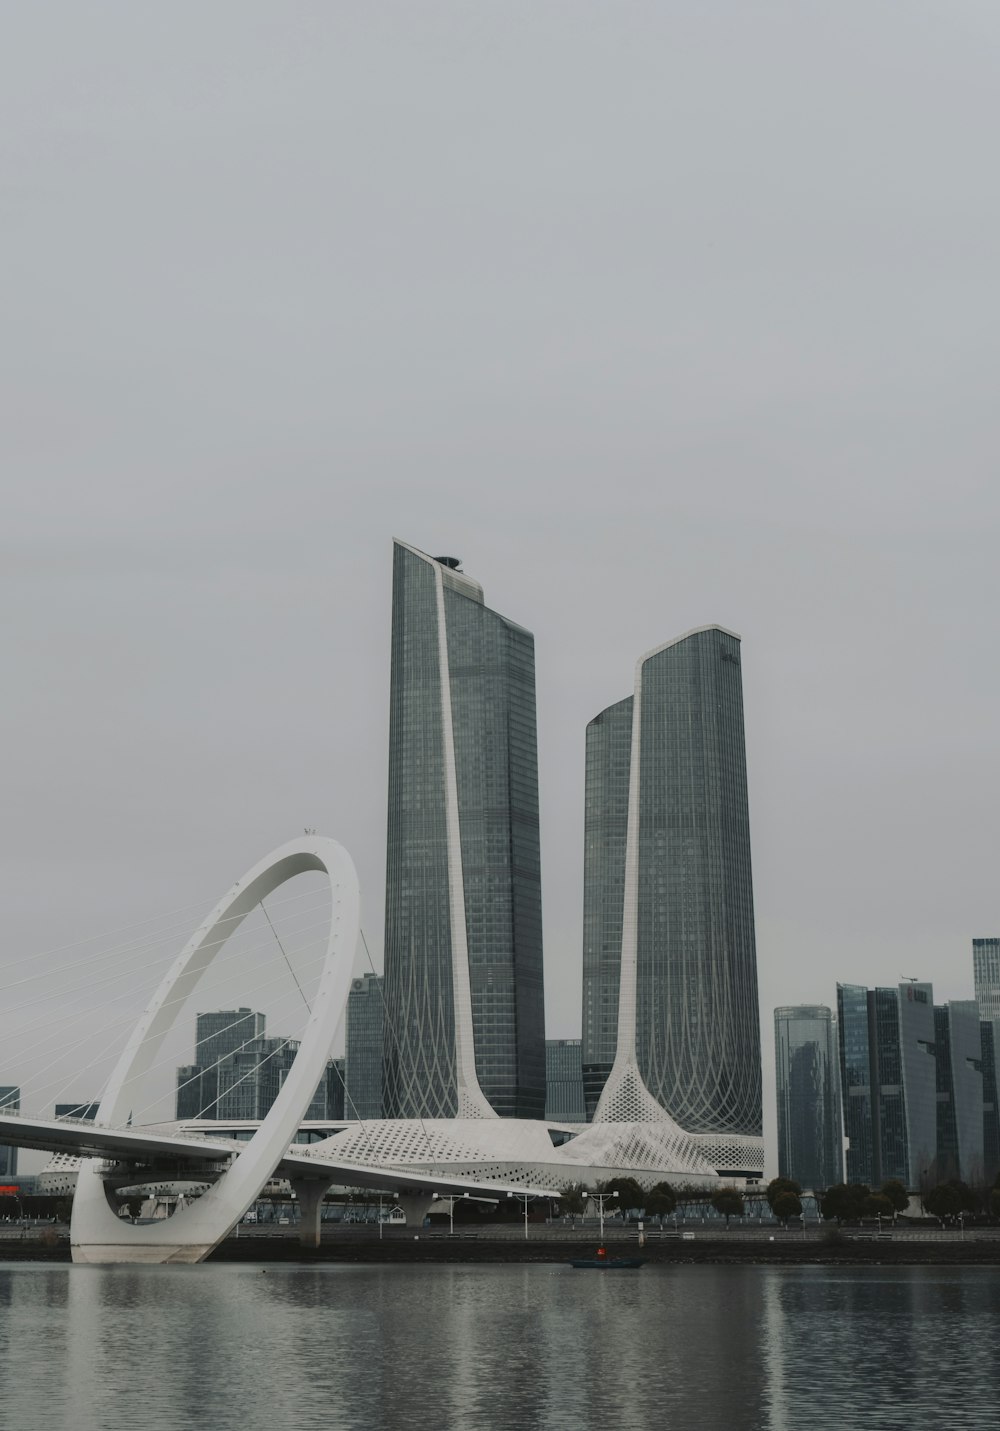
x=525, y=1198
x=451, y=1210
x=600, y=1199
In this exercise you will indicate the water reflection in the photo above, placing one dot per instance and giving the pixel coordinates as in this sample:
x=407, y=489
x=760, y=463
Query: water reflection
x=881, y=1347
x=101, y=1349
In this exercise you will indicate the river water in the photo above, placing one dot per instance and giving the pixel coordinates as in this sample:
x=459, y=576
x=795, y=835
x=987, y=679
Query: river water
x=409, y=1347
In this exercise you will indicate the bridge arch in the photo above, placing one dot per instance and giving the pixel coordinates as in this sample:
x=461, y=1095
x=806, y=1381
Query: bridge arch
x=96, y=1233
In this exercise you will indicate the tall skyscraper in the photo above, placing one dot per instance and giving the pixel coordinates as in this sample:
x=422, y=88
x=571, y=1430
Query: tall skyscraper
x=605, y=829
x=991, y=1104
x=808, y=1088
x=363, y=1048
x=857, y=1088
x=465, y=1032
x=986, y=973
x=667, y=877
x=959, y=1057
x=564, y=1081
x=893, y=1116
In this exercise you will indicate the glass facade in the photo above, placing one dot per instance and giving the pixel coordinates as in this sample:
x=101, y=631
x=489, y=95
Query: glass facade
x=190, y=1100
x=697, y=1021
x=363, y=1049
x=250, y=1078
x=485, y=672
x=890, y=1089
x=77, y=1110
x=959, y=1062
x=856, y=1082
x=991, y=1109
x=697, y=1033
x=986, y=973
x=808, y=1096
x=917, y=1056
x=564, y=1081
x=336, y=1075
x=217, y=1035
x=605, y=828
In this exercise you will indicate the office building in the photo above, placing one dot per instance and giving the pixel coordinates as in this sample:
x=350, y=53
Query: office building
x=84, y=1110
x=667, y=878
x=605, y=822
x=991, y=1108
x=807, y=1076
x=464, y=1007
x=959, y=1058
x=217, y=1035
x=986, y=975
x=363, y=1047
x=891, y=1119
x=10, y=1102
x=564, y=1081
x=857, y=1093
x=189, y=1098
x=336, y=1075
x=251, y=1077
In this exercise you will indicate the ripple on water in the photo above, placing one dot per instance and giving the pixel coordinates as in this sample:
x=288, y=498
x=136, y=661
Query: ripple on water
x=162, y=1348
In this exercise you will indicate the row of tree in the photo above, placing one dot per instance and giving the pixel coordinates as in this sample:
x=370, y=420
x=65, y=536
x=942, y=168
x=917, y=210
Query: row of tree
x=844, y=1202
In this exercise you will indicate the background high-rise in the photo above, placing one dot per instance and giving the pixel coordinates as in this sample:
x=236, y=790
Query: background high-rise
x=464, y=1002
x=667, y=868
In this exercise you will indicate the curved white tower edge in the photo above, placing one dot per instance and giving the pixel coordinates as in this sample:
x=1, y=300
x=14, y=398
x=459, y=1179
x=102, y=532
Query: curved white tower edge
x=471, y=1101
x=97, y=1234
x=625, y=1097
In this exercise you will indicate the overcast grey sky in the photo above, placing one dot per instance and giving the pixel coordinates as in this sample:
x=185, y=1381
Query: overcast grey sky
x=656, y=314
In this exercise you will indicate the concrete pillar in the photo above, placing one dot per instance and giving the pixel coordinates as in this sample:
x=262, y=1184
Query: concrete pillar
x=416, y=1206
x=309, y=1194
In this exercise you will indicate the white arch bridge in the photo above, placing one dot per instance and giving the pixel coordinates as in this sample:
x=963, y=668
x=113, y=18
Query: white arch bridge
x=406, y=1158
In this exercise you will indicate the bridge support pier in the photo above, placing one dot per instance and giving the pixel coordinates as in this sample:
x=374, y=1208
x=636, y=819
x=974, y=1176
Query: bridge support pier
x=416, y=1205
x=309, y=1194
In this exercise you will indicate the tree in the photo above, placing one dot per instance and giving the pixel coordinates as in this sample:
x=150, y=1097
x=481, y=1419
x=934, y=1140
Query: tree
x=894, y=1190
x=966, y=1197
x=630, y=1193
x=571, y=1198
x=844, y=1201
x=942, y=1202
x=661, y=1201
x=995, y=1201
x=786, y=1205
x=728, y=1202
x=878, y=1205
x=949, y=1199
x=777, y=1186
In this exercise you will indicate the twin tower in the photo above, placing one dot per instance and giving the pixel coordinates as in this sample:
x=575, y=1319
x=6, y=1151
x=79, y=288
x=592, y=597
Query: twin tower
x=670, y=1017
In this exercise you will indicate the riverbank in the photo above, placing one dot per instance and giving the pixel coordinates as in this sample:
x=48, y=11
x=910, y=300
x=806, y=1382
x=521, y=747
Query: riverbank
x=707, y=1249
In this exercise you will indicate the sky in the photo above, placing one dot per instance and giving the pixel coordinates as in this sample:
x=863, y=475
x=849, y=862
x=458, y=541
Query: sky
x=656, y=314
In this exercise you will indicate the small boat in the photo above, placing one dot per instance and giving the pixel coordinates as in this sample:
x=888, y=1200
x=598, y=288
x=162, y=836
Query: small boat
x=606, y=1263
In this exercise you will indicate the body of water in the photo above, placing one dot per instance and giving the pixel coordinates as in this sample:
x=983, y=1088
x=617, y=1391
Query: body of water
x=344, y=1347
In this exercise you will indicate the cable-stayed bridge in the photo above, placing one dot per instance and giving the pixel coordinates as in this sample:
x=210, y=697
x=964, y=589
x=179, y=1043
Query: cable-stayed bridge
x=411, y=1158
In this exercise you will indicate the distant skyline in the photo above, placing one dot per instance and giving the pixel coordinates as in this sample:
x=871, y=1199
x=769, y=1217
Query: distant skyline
x=656, y=315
